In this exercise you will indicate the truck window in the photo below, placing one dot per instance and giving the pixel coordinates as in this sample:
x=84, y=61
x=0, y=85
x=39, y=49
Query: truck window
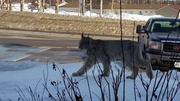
x=147, y=24
x=165, y=26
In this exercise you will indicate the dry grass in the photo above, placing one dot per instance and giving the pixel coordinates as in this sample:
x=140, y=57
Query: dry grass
x=64, y=23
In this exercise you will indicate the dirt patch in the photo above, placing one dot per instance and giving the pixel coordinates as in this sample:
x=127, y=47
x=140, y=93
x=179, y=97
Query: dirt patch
x=65, y=23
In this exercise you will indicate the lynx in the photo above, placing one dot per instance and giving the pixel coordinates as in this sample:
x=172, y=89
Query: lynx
x=105, y=51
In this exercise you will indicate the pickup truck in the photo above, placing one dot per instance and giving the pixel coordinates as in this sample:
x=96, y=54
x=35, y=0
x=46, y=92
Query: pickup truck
x=159, y=41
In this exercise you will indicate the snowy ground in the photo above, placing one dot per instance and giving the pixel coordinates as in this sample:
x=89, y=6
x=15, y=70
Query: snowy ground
x=17, y=77
x=136, y=17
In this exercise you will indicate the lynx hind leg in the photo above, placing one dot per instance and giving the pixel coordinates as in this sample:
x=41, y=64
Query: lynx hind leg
x=89, y=62
x=132, y=68
x=149, y=71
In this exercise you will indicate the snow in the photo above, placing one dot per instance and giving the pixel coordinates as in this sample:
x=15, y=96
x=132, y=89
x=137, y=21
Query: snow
x=27, y=74
x=17, y=78
x=127, y=16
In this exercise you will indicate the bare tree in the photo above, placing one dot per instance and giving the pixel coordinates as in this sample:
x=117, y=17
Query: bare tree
x=112, y=4
x=22, y=5
x=101, y=4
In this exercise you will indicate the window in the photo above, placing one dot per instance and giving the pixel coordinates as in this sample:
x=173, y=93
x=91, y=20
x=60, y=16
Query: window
x=166, y=26
x=131, y=12
x=140, y=12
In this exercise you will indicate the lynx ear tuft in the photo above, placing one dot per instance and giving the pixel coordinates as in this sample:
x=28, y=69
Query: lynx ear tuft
x=88, y=35
x=82, y=35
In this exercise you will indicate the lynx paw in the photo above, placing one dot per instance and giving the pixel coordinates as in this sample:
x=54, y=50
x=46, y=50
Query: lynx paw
x=105, y=75
x=130, y=77
x=76, y=74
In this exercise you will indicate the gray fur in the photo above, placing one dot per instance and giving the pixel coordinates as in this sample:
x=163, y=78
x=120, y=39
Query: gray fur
x=105, y=51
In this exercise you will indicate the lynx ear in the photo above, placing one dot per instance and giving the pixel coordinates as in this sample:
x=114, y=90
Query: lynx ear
x=82, y=35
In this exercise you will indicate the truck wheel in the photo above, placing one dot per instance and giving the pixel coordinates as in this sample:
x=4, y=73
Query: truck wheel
x=172, y=64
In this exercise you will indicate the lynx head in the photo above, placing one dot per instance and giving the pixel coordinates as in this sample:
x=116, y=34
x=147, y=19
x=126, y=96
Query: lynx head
x=85, y=42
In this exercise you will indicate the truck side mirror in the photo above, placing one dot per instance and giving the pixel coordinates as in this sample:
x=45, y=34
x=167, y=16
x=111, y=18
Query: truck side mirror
x=139, y=29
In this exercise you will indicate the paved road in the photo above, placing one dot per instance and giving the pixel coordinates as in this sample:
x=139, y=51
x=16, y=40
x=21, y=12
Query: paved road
x=59, y=47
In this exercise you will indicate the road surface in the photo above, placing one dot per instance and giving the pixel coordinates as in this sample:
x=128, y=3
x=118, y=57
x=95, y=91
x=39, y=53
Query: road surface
x=58, y=47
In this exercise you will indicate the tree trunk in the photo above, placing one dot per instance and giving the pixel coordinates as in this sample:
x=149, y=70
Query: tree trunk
x=101, y=4
x=56, y=6
x=83, y=9
x=22, y=5
x=90, y=7
x=10, y=8
x=44, y=5
x=1, y=2
x=112, y=6
x=80, y=4
x=39, y=5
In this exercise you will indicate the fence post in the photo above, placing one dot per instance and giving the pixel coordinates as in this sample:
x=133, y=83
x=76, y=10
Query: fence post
x=21, y=5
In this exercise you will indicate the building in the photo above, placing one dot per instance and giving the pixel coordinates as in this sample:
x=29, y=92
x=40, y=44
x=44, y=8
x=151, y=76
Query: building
x=168, y=10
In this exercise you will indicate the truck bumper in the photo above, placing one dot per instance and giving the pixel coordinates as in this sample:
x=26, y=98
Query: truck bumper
x=163, y=62
x=163, y=57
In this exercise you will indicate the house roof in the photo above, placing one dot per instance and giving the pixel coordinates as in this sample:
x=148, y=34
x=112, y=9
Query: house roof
x=137, y=6
x=176, y=7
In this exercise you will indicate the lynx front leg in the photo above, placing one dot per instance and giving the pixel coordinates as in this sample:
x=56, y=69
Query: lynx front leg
x=134, y=73
x=89, y=62
x=107, y=67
